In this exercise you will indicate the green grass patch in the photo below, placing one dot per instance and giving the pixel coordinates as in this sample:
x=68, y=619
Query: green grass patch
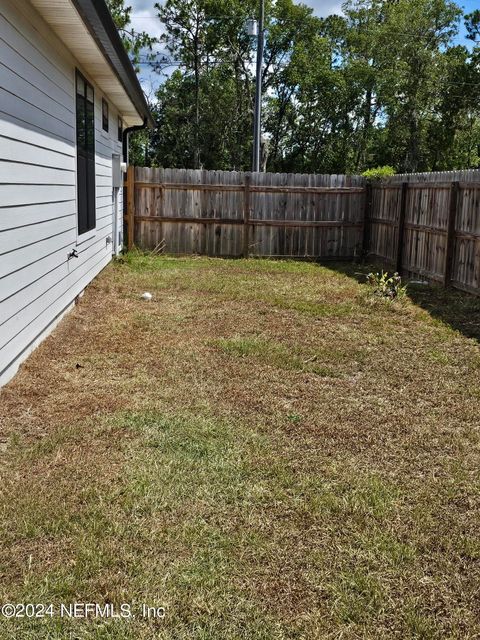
x=358, y=597
x=274, y=354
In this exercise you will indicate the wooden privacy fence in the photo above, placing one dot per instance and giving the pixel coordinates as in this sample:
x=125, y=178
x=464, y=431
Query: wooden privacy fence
x=425, y=225
x=232, y=214
x=427, y=229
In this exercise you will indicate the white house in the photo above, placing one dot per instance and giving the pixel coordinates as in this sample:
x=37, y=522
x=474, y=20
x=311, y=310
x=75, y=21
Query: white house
x=69, y=96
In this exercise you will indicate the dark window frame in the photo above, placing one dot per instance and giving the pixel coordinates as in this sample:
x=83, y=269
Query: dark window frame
x=105, y=115
x=120, y=129
x=85, y=139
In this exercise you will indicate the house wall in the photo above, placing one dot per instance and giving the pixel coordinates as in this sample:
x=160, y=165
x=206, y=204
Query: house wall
x=38, y=213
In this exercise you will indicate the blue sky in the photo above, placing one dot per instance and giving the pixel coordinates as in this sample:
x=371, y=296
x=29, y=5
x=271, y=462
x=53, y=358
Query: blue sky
x=143, y=19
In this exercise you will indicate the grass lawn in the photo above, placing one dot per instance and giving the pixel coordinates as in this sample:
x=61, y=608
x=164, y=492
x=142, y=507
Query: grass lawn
x=263, y=449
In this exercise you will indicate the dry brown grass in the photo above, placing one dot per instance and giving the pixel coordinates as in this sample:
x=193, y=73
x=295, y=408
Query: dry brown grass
x=263, y=449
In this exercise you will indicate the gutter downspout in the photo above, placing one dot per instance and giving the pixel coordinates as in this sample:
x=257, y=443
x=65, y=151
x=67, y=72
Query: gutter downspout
x=126, y=135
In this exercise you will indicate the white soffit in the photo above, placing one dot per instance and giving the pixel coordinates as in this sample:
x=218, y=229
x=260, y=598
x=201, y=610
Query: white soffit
x=66, y=22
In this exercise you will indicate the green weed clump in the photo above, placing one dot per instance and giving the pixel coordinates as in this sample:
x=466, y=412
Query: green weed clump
x=379, y=173
x=385, y=285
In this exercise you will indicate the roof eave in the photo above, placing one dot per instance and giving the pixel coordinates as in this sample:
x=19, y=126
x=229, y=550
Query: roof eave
x=100, y=24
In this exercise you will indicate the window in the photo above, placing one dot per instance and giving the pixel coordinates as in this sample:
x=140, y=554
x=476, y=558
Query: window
x=120, y=129
x=85, y=154
x=104, y=114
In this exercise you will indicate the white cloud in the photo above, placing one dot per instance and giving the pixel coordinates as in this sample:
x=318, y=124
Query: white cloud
x=142, y=5
x=144, y=17
x=325, y=7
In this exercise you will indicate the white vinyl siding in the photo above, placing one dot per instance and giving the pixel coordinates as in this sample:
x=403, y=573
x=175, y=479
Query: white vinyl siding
x=38, y=210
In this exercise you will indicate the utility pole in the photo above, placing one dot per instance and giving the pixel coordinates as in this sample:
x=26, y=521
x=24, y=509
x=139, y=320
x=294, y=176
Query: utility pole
x=257, y=129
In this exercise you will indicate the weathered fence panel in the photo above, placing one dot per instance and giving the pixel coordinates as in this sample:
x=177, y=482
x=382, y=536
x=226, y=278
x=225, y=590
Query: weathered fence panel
x=383, y=219
x=466, y=257
x=230, y=214
x=186, y=211
x=425, y=225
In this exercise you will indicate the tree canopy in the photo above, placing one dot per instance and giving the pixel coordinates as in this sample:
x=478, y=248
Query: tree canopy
x=385, y=83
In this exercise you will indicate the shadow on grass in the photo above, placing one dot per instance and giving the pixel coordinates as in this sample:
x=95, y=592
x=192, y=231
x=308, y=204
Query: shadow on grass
x=461, y=311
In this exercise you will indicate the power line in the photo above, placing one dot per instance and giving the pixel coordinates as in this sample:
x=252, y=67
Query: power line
x=179, y=63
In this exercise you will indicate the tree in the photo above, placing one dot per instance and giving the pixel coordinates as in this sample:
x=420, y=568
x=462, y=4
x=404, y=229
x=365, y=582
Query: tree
x=383, y=84
x=203, y=35
x=293, y=41
x=135, y=42
x=416, y=34
x=472, y=23
x=186, y=38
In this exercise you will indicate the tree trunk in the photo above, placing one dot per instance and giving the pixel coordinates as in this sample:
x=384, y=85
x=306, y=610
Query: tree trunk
x=412, y=160
x=196, y=149
x=361, y=159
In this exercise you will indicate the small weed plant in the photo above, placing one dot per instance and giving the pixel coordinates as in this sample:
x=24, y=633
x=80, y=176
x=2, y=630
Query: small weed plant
x=385, y=285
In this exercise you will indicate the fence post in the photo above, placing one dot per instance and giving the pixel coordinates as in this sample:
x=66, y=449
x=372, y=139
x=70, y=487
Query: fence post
x=452, y=220
x=130, y=207
x=401, y=228
x=246, y=214
x=367, y=213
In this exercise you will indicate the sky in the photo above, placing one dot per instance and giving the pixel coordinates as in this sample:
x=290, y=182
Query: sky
x=144, y=19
